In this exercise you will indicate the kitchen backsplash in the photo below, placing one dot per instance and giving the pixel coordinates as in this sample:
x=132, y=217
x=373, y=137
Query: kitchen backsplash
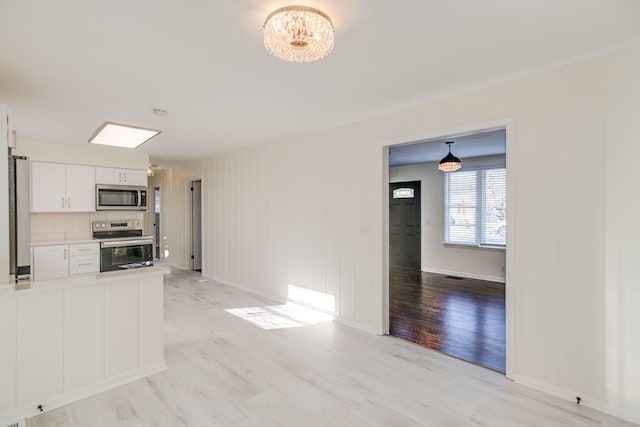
x=73, y=225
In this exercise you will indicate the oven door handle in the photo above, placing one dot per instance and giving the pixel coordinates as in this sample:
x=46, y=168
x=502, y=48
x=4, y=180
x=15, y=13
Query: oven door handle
x=122, y=243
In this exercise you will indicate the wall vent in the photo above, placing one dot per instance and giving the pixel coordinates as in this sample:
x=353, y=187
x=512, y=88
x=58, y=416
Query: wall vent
x=454, y=277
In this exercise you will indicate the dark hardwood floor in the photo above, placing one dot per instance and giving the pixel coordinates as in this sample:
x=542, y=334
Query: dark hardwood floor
x=461, y=317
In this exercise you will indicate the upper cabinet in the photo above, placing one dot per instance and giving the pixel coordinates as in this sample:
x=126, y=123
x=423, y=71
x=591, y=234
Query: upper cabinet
x=57, y=187
x=116, y=176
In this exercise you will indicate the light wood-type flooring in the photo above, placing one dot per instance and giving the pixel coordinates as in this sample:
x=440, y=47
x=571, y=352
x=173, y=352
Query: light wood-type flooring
x=264, y=364
x=461, y=317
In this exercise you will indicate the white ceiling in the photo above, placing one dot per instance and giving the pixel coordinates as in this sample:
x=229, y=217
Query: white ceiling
x=464, y=147
x=67, y=66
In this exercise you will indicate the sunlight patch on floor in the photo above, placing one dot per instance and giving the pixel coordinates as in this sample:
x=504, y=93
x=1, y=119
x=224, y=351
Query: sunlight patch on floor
x=288, y=315
x=318, y=300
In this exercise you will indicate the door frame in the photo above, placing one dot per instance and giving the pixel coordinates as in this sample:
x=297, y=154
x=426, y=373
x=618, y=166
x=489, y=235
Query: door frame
x=382, y=297
x=188, y=230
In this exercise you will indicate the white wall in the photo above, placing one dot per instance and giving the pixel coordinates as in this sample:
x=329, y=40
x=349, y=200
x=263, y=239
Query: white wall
x=84, y=154
x=621, y=293
x=308, y=211
x=4, y=198
x=435, y=256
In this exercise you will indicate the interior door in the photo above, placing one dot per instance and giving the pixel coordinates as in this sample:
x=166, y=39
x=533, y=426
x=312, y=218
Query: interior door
x=196, y=224
x=404, y=224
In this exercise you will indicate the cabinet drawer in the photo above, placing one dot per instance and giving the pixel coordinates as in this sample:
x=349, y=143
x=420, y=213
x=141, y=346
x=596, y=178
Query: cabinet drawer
x=84, y=264
x=84, y=249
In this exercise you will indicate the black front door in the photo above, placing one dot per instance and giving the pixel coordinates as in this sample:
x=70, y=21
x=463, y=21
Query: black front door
x=404, y=224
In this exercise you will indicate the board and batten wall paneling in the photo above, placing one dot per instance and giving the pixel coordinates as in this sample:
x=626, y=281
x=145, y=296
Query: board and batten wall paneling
x=622, y=206
x=8, y=351
x=326, y=190
x=84, y=336
x=39, y=337
x=123, y=326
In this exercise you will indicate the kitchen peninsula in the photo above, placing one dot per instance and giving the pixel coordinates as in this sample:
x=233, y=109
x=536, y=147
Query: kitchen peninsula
x=69, y=338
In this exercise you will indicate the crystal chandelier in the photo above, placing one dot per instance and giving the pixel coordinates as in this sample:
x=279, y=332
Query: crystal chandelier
x=298, y=34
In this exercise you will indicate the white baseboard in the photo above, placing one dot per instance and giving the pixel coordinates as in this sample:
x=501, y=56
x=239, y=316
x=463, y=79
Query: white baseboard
x=251, y=291
x=62, y=399
x=587, y=401
x=467, y=275
x=357, y=325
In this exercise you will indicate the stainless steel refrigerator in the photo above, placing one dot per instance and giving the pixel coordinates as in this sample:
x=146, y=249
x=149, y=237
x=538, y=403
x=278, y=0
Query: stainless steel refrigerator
x=20, y=217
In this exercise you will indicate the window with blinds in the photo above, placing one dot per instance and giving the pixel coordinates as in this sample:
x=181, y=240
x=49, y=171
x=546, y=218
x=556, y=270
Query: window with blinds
x=475, y=202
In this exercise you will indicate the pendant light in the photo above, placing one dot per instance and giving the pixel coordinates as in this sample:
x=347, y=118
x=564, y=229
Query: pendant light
x=449, y=163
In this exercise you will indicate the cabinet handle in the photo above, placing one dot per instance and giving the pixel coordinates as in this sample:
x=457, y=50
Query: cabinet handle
x=62, y=202
x=83, y=264
x=69, y=202
x=120, y=175
x=65, y=254
x=125, y=177
x=84, y=249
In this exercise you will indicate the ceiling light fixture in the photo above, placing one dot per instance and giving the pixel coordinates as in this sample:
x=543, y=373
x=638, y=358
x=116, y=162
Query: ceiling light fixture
x=119, y=135
x=298, y=34
x=449, y=163
x=151, y=170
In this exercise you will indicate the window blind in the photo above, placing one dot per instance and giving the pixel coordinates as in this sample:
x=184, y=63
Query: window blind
x=475, y=203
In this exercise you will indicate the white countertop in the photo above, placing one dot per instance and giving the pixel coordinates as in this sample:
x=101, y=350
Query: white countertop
x=63, y=242
x=88, y=279
x=48, y=239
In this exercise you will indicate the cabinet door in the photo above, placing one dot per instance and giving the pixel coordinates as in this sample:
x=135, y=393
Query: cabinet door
x=50, y=262
x=48, y=187
x=81, y=188
x=135, y=177
x=109, y=176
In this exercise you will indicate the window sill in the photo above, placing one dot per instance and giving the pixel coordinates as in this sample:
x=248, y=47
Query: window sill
x=482, y=247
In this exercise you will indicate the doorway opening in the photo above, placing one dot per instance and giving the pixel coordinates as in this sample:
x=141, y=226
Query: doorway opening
x=156, y=222
x=196, y=225
x=452, y=298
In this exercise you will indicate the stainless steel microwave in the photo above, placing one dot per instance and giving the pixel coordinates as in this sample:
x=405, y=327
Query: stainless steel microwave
x=120, y=198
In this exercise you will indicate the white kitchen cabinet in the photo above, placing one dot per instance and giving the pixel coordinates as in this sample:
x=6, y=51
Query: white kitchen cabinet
x=135, y=177
x=59, y=261
x=117, y=176
x=81, y=188
x=48, y=187
x=84, y=258
x=50, y=262
x=57, y=187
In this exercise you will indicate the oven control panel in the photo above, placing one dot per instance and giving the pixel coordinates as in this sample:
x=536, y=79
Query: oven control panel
x=116, y=225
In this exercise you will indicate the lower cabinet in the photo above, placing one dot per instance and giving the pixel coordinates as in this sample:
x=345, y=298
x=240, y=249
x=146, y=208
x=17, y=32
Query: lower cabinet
x=59, y=261
x=50, y=262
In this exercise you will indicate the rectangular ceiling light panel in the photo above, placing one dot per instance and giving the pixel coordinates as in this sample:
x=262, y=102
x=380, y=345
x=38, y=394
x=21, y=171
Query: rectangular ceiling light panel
x=119, y=135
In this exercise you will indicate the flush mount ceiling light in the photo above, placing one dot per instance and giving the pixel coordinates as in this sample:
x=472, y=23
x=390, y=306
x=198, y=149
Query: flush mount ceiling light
x=298, y=34
x=119, y=135
x=449, y=163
